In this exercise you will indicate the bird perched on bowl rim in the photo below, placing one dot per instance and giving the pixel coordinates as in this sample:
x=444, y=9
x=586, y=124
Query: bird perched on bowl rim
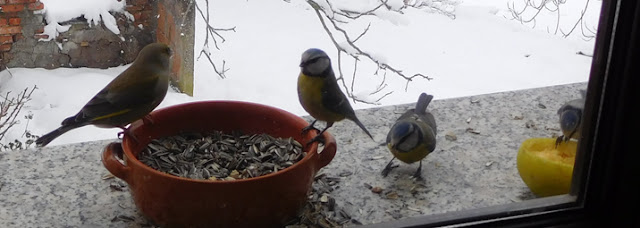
x=132, y=95
x=570, y=115
x=413, y=136
x=320, y=95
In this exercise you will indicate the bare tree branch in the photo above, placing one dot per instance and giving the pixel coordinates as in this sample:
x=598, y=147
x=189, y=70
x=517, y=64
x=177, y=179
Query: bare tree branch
x=354, y=51
x=429, y=5
x=551, y=6
x=215, y=35
x=10, y=107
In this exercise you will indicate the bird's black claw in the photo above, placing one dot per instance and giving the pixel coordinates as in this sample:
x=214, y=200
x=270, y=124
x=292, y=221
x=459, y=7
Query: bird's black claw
x=559, y=140
x=418, y=174
x=318, y=138
x=387, y=169
x=308, y=128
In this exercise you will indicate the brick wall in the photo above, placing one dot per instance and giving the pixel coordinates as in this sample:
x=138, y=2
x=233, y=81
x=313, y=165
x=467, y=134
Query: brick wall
x=167, y=21
x=18, y=18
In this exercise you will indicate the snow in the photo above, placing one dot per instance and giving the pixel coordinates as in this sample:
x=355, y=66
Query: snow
x=481, y=51
x=94, y=11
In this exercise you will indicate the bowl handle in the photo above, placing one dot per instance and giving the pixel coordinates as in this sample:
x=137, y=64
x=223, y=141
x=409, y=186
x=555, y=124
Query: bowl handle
x=328, y=152
x=112, y=164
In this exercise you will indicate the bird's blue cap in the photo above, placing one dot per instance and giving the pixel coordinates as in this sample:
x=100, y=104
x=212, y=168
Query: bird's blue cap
x=312, y=53
x=402, y=129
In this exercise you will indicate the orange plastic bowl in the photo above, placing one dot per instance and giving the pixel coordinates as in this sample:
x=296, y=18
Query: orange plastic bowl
x=266, y=201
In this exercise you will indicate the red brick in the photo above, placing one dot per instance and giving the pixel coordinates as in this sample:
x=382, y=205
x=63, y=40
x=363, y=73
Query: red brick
x=139, y=2
x=161, y=37
x=3, y=22
x=177, y=62
x=10, y=30
x=6, y=39
x=12, y=8
x=137, y=16
x=2, y=2
x=9, y=15
x=41, y=36
x=5, y=47
x=17, y=1
x=134, y=8
x=14, y=21
x=35, y=6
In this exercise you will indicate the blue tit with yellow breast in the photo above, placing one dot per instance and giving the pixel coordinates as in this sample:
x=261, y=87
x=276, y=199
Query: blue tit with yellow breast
x=413, y=136
x=129, y=97
x=320, y=95
x=570, y=115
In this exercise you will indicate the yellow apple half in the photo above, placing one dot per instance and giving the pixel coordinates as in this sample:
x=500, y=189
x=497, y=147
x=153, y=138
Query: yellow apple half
x=545, y=169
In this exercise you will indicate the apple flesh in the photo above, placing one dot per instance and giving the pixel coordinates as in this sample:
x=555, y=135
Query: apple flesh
x=545, y=169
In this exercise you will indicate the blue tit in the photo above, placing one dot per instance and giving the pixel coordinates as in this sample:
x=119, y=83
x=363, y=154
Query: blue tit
x=320, y=95
x=571, y=119
x=413, y=136
x=130, y=96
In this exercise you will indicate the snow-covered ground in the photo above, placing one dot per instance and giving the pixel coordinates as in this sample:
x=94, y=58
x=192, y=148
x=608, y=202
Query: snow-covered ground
x=480, y=51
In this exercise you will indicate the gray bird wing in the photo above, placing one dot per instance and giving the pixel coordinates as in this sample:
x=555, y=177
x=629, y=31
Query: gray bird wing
x=334, y=100
x=429, y=120
x=429, y=135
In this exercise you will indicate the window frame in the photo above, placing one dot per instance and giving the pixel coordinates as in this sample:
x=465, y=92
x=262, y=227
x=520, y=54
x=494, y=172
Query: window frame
x=601, y=192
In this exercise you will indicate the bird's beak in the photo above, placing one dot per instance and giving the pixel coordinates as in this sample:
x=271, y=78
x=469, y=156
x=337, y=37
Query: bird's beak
x=302, y=64
x=393, y=144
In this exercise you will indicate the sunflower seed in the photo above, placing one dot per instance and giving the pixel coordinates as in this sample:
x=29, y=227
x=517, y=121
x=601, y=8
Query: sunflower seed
x=211, y=156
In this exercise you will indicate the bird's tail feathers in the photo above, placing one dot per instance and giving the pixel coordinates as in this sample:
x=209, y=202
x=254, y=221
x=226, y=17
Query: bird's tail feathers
x=355, y=119
x=46, y=139
x=423, y=102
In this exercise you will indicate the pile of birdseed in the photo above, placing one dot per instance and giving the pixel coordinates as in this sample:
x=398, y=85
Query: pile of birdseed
x=321, y=210
x=220, y=156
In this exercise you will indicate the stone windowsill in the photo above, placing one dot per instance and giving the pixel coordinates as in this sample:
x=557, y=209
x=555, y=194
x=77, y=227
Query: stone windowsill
x=63, y=185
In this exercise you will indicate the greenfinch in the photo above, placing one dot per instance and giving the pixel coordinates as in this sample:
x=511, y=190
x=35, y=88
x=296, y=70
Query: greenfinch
x=413, y=136
x=571, y=119
x=131, y=96
x=320, y=95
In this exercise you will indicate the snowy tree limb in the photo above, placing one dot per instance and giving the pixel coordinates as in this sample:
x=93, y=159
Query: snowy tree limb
x=354, y=51
x=431, y=6
x=536, y=7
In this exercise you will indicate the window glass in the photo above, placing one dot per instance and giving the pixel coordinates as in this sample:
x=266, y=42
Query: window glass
x=505, y=80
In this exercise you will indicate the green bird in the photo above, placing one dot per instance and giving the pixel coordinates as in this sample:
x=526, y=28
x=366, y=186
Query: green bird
x=131, y=96
x=320, y=95
x=413, y=136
